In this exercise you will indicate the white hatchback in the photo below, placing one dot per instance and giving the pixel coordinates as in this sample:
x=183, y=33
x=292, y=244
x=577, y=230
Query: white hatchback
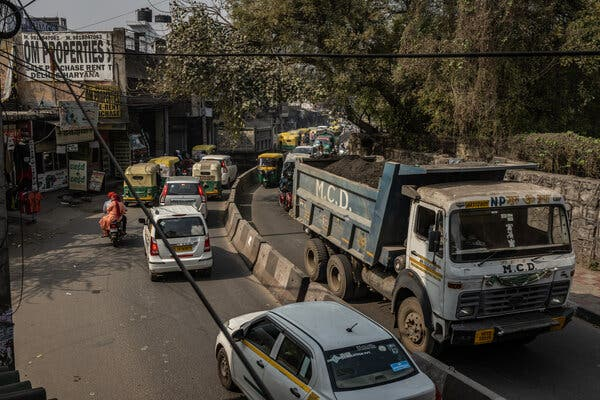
x=229, y=170
x=319, y=350
x=187, y=232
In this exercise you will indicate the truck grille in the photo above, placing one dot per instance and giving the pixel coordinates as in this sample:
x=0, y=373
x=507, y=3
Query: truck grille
x=511, y=299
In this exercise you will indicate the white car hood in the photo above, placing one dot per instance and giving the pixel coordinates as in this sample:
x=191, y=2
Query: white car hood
x=235, y=323
x=418, y=387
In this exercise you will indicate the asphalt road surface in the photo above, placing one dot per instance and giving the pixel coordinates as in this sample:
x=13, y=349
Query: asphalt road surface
x=556, y=366
x=93, y=326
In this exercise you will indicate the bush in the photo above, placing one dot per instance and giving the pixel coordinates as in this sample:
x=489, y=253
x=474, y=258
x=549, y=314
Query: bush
x=560, y=153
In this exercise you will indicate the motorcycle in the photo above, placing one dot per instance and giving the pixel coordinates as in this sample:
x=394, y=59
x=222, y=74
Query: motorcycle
x=285, y=200
x=116, y=233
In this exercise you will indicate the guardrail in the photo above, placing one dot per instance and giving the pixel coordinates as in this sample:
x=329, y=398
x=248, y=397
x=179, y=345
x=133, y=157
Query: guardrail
x=290, y=284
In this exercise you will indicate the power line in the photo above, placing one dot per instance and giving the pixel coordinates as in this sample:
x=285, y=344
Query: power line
x=161, y=234
x=115, y=17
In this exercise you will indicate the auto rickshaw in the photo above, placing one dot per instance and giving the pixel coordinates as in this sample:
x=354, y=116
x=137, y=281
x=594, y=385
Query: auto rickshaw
x=202, y=150
x=289, y=140
x=168, y=166
x=145, y=179
x=269, y=169
x=209, y=173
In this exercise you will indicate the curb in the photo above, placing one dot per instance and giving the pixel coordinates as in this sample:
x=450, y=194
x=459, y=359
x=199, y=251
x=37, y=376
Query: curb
x=587, y=315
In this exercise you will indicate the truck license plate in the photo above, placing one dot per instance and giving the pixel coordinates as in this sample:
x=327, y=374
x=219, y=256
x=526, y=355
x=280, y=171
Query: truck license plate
x=180, y=249
x=484, y=336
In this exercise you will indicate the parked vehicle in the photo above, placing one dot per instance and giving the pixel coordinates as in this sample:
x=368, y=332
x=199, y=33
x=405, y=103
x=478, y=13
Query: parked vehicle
x=288, y=140
x=209, y=174
x=269, y=169
x=186, y=230
x=304, y=151
x=168, y=166
x=341, y=354
x=145, y=179
x=229, y=170
x=184, y=190
x=202, y=150
x=464, y=257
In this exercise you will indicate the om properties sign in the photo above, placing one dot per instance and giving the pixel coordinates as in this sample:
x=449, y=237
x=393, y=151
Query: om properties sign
x=81, y=56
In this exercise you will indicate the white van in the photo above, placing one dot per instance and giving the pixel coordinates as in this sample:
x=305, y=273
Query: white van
x=187, y=232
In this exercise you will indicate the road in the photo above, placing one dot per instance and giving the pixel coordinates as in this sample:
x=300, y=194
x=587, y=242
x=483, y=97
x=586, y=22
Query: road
x=93, y=326
x=556, y=366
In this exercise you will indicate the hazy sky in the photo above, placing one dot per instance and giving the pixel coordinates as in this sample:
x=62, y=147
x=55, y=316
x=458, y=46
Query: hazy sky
x=84, y=12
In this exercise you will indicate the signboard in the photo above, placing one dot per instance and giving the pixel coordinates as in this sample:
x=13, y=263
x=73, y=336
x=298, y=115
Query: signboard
x=77, y=175
x=53, y=180
x=68, y=137
x=108, y=99
x=34, y=182
x=72, y=118
x=81, y=56
x=96, y=181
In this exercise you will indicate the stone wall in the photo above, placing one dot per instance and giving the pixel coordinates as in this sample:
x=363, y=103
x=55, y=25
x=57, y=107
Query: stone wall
x=583, y=194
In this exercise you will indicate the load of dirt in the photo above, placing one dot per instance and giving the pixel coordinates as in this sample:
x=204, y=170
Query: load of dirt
x=356, y=168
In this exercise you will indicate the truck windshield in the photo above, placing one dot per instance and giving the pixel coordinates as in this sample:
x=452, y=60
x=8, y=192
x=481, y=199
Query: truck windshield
x=494, y=233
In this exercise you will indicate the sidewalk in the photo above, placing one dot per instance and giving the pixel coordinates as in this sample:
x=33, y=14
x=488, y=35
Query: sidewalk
x=585, y=294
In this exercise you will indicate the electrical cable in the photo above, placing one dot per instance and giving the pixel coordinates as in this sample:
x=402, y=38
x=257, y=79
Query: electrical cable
x=161, y=233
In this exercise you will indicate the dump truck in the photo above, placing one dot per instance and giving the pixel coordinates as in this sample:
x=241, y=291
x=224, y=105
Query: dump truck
x=464, y=257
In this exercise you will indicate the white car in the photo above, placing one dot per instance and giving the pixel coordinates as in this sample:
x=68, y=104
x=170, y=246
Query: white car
x=304, y=151
x=229, y=170
x=319, y=350
x=187, y=232
x=184, y=190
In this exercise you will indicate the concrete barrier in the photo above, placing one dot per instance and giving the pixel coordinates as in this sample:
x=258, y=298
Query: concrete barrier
x=286, y=281
x=243, y=183
x=318, y=292
x=247, y=241
x=233, y=218
x=450, y=383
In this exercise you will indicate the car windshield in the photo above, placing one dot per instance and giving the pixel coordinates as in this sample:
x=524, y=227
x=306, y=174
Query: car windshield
x=370, y=364
x=182, y=189
x=303, y=150
x=182, y=227
x=480, y=234
x=267, y=162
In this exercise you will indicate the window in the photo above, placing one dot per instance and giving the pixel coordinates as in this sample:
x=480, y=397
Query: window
x=263, y=335
x=182, y=227
x=425, y=222
x=293, y=358
x=182, y=189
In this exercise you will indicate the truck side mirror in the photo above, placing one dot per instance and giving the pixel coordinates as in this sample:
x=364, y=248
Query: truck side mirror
x=237, y=335
x=433, y=241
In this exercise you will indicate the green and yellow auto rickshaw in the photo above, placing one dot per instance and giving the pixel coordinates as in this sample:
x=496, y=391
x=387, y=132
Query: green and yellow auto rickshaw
x=168, y=166
x=269, y=169
x=209, y=173
x=202, y=150
x=288, y=141
x=145, y=179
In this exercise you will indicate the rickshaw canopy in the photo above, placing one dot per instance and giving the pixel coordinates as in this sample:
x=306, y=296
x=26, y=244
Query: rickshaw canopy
x=143, y=174
x=271, y=155
x=207, y=148
x=167, y=161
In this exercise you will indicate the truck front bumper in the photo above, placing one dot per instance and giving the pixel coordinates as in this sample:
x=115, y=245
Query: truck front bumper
x=510, y=327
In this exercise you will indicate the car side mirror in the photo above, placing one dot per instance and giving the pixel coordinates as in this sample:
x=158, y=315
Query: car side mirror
x=434, y=238
x=237, y=335
x=142, y=221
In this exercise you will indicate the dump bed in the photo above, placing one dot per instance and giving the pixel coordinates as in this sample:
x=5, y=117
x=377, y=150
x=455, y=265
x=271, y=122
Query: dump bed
x=370, y=223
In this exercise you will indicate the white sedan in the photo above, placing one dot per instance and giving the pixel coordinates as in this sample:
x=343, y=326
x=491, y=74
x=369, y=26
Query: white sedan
x=319, y=350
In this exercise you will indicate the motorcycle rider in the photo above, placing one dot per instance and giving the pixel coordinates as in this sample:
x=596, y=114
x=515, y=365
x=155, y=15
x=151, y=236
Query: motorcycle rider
x=105, y=210
x=115, y=211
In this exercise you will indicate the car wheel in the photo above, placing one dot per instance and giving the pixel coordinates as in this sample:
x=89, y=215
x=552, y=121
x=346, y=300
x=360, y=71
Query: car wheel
x=224, y=371
x=339, y=276
x=153, y=277
x=414, y=333
x=203, y=273
x=315, y=259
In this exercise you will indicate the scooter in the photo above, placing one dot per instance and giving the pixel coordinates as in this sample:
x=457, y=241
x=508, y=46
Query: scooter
x=116, y=233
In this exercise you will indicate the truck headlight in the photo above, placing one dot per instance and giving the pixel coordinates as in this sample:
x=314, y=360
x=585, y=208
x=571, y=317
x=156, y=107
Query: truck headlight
x=466, y=311
x=556, y=300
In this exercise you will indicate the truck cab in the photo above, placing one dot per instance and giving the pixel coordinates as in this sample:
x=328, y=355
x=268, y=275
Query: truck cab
x=494, y=260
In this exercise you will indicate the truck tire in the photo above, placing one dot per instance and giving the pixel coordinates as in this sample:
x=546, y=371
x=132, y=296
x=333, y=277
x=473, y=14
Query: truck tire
x=315, y=259
x=414, y=334
x=339, y=276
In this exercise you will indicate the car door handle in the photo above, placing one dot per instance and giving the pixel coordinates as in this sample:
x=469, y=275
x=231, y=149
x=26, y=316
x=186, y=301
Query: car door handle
x=414, y=253
x=260, y=363
x=295, y=392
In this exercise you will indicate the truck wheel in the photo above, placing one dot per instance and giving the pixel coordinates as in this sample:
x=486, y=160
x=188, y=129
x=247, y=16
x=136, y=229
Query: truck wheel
x=339, y=276
x=414, y=334
x=315, y=259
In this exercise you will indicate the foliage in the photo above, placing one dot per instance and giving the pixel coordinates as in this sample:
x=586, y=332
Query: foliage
x=419, y=104
x=561, y=153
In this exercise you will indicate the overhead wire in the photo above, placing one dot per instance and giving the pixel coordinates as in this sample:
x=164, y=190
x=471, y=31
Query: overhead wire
x=161, y=233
